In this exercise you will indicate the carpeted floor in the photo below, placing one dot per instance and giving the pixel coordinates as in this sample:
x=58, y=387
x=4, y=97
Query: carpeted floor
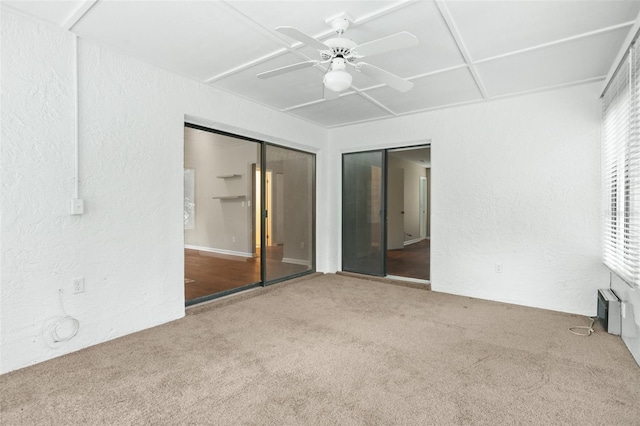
x=339, y=350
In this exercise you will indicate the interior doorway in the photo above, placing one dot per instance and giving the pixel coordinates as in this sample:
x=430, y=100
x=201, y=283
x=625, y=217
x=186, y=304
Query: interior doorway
x=403, y=222
x=407, y=197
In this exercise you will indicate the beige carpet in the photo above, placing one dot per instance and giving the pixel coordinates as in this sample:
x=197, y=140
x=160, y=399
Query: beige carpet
x=339, y=350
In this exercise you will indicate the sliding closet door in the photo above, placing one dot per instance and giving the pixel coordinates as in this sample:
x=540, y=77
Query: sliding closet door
x=363, y=213
x=289, y=191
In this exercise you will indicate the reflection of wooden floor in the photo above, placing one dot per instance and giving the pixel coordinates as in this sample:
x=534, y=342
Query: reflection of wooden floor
x=412, y=262
x=213, y=273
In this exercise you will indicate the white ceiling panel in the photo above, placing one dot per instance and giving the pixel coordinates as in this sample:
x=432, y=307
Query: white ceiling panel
x=432, y=91
x=436, y=47
x=55, y=12
x=551, y=66
x=283, y=91
x=307, y=16
x=345, y=109
x=196, y=38
x=510, y=47
x=490, y=28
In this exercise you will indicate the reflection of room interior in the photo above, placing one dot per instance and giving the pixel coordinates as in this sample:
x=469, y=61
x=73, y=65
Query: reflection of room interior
x=408, y=213
x=222, y=213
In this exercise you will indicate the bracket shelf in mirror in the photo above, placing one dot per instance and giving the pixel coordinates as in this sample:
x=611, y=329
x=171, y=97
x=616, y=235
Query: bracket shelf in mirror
x=230, y=197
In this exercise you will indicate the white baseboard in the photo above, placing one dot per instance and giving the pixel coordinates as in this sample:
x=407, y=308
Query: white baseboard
x=219, y=251
x=415, y=240
x=296, y=261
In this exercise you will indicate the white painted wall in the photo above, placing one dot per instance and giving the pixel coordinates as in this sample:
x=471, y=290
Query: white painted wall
x=129, y=244
x=514, y=181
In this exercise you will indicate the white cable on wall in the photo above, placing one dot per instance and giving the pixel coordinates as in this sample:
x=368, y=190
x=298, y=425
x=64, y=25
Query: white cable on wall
x=76, y=177
x=57, y=331
x=77, y=204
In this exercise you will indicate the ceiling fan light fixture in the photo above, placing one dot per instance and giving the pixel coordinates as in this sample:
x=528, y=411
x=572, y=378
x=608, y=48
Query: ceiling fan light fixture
x=337, y=80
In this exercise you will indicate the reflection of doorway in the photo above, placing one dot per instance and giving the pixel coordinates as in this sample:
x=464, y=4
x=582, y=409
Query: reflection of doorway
x=395, y=209
x=423, y=206
x=269, y=207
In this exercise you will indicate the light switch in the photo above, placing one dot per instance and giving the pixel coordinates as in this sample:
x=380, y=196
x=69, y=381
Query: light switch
x=77, y=206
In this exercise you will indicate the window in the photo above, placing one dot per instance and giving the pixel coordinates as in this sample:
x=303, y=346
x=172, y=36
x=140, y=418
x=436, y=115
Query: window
x=621, y=169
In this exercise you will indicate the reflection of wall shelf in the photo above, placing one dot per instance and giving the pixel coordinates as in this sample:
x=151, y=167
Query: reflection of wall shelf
x=231, y=176
x=230, y=197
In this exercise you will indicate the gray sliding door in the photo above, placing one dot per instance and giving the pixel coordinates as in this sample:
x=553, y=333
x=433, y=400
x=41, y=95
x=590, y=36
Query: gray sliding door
x=289, y=219
x=363, y=213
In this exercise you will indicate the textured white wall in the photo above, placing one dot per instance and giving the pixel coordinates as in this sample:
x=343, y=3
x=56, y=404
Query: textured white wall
x=129, y=244
x=514, y=181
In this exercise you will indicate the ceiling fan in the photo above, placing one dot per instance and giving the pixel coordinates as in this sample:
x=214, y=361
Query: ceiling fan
x=339, y=52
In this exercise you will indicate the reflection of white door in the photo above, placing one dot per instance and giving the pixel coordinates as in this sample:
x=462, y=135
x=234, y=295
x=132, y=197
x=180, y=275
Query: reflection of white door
x=423, y=207
x=395, y=209
x=278, y=210
x=257, y=206
x=268, y=202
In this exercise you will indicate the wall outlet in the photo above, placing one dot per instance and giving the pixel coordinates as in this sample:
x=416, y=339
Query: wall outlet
x=498, y=268
x=78, y=285
x=233, y=239
x=302, y=245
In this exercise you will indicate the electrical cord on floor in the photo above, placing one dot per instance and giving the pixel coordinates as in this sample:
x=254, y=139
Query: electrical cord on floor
x=589, y=329
x=58, y=330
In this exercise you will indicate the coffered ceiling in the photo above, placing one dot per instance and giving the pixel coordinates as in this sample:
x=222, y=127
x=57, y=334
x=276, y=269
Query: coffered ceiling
x=467, y=51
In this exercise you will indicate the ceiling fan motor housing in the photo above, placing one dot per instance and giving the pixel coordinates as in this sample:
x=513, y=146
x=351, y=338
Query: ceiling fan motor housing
x=340, y=48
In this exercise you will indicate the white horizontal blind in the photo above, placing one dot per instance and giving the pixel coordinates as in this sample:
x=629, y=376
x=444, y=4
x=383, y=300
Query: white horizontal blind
x=632, y=172
x=621, y=170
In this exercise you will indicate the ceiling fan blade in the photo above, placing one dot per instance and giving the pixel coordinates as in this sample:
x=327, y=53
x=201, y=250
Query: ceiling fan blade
x=391, y=80
x=288, y=68
x=302, y=37
x=386, y=44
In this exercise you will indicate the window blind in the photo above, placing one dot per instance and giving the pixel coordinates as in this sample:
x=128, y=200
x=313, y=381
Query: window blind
x=621, y=170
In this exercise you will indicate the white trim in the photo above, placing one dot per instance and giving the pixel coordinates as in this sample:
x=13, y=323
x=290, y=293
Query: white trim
x=415, y=240
x=621, y=54
x=296, y=261
x=464, y=51
x=78, y=14
x=412, y=280
x=556, y=42
x=219, y=251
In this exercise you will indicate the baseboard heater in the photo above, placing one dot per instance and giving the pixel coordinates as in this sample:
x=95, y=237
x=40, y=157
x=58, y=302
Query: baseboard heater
x=609, y=310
